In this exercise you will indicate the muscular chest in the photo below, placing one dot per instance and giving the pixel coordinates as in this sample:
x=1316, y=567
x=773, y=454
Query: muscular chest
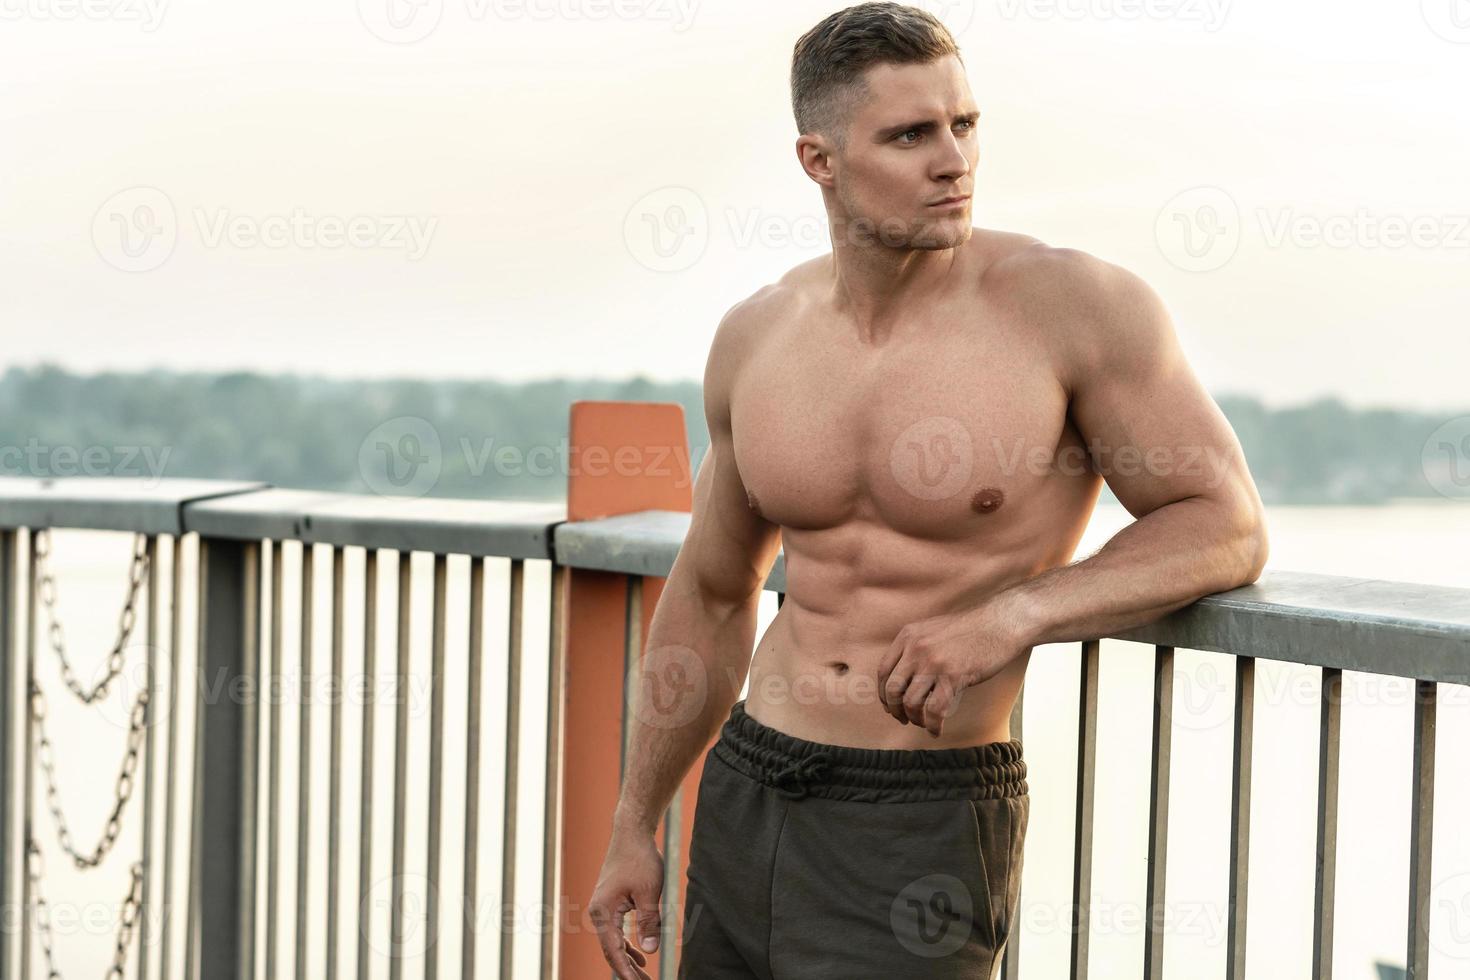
x=936, y=439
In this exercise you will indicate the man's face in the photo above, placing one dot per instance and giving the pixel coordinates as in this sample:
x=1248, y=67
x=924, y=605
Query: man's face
x=910, y=144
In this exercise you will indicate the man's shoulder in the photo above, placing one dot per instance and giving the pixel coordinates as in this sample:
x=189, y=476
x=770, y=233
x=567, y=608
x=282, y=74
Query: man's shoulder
x=1064, y=283
x=744, y=325
x=1092, y=312
x=747, y=320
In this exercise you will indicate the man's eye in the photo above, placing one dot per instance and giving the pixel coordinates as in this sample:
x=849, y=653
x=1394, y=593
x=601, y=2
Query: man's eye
x=967, y=124
x=913, y=132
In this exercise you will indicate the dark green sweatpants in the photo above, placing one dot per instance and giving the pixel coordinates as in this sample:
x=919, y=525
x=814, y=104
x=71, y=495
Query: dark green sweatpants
x=814, y=861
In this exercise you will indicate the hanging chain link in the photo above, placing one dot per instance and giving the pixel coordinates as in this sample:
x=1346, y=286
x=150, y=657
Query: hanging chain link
x=125, y=624
x=35, y=869
x=123, y=790
x=131, y=905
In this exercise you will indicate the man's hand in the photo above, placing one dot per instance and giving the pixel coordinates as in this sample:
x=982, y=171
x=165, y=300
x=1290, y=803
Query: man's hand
x=932, y=661
x=632, y=879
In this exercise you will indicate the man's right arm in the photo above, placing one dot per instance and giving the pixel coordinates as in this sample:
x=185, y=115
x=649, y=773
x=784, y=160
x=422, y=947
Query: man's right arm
x=707, y=611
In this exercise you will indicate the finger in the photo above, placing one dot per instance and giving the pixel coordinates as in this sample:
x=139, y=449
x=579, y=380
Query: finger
x=915, y=695
x=886, y=665
x=648, y=920
x=898, y=683
x=937, y=706
x=609, y=926
x=632, y=963
x=636, y=961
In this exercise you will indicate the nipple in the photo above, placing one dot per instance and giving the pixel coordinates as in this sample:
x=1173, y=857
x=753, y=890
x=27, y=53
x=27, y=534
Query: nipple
x=987, y=500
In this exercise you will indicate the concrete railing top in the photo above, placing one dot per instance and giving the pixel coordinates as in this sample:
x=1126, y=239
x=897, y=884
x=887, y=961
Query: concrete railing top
x=1398, y=628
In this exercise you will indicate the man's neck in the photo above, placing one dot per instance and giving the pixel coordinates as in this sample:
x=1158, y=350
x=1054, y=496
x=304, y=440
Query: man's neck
x=873, y=283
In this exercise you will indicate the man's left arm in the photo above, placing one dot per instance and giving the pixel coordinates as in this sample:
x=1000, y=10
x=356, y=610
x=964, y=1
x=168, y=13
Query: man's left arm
x=1167, y=452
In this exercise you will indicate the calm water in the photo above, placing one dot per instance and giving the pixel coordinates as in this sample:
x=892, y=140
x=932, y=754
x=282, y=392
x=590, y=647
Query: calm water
x=1412, y=542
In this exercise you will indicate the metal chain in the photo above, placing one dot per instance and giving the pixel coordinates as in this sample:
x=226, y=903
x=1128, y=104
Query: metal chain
x=131, y=905
x=123, y=790
x=136, y=573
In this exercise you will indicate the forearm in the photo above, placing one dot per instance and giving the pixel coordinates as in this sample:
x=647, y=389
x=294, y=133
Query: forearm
x=1162, y=562
x=714, y=638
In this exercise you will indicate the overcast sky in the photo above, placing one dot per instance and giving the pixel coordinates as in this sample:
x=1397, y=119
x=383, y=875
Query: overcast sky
x=524, y=188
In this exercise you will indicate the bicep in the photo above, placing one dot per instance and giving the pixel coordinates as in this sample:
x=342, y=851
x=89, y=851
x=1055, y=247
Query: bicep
x=730, y=548
x=1151, y=429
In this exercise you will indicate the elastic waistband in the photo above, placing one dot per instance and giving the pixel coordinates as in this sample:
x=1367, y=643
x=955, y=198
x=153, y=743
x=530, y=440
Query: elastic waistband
x=797, y=767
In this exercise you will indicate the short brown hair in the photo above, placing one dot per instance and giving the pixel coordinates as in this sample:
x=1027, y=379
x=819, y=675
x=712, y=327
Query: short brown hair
x=829, y=61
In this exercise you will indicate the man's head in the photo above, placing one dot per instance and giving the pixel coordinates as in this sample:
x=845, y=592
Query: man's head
x=887, y=123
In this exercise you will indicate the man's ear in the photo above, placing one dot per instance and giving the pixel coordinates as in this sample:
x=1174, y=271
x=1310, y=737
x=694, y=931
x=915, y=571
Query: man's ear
x=815, y=156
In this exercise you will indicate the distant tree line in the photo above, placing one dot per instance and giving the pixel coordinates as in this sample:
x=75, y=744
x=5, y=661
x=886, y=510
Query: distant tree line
x=491, y=439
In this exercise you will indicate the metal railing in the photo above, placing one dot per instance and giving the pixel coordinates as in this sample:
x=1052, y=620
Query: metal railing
x=245, y=533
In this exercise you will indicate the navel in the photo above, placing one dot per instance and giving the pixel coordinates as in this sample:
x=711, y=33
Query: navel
x=987, y=500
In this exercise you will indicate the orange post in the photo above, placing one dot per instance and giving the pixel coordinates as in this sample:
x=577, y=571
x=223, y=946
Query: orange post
x=625, y=457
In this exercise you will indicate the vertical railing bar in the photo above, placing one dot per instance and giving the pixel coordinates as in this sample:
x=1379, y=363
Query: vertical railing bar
x=303, y=776
x=1240, y=815
x=250, y=754
x=1158, y=811
x=509, y=819
x=469, y=934
x=9, y=596
x=436, y=770
x=145, y=925
x=1328, y=748
x=400, y=764
x=1011, y=961
x=369, y=694
x=193, y=920
x=632, y=653
x=556, y=691
x=1421, y=828
x=1086, y=780
x=273, y=775
x=27, y=792
x=176, y=632
x=334, y=766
